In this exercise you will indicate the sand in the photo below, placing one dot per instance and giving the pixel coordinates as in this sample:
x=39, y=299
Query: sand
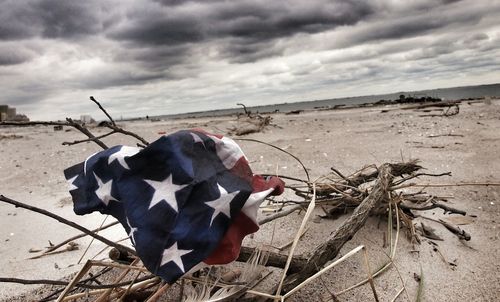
x=31, y=171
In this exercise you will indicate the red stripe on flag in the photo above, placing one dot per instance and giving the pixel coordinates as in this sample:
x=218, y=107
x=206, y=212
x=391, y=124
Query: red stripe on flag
x=228, y=249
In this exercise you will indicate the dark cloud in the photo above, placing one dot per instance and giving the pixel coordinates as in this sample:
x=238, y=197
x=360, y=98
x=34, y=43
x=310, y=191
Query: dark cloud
x=246, y=28
x=14, y=53
x=16, y=20
x=116, y=78
x=157, y=59
x=13, y=57
x=159, y=29
x=240, y=50
x=27, y=92
x=401, y=27
x=68, y=19
x=49, y=19
x=266, y=20
x=183, y=2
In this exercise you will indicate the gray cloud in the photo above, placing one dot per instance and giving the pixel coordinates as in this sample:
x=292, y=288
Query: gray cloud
x=210, y=54
x=403, y=24
x=246, y=29
x=67, y=19
x=154, y=58
x=49, y=19
x=116, y=78
x=16, y=20
x=13, y=57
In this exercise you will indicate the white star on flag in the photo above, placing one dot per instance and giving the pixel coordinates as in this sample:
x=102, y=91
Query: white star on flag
x=71, y=183
x=104, y=190
x=165, y=190
x=222, y=204
x=174, y=254
x=120, y=155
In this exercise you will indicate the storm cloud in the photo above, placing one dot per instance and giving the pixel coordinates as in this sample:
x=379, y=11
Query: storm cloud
x=171, y=56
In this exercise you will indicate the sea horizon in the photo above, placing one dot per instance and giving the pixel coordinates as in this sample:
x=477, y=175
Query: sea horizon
x=450, y=93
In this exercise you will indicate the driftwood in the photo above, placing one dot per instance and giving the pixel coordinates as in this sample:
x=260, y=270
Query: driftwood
x=456, y=230
x=450, y=111
x=329, y=250
x=275, y=259
x=380, y=195
x=247, y=112
x=251, y=124
x=435, y=104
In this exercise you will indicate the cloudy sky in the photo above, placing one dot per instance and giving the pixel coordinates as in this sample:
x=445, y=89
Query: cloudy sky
x=171, y=56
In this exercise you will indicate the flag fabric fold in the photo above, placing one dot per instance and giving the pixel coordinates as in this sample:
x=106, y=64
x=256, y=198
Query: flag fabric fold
x=189, y=197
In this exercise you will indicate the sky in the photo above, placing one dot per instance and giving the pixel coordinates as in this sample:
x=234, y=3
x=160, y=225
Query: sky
x=158, y=57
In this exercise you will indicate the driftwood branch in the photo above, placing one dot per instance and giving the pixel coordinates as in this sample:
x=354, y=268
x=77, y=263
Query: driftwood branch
x=88, y=139
x=91, y=138
x=252, y=123
x=34, y=123
x=275, y=259
x=456, y=230
x=55, y=247
x=329, y=250
x=434, y=205
x=282, y=150
x=434, y=104
x=103, y=110
x=117, y=129
x=247, y=112
x=280, y=214
x=68, y=223
x=415, y=175
x=69, y=122
x=86, y=131
x=64, y=283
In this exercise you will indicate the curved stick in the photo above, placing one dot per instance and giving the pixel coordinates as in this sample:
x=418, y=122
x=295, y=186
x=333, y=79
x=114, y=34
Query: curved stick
x=276, y=147
x=68, y=223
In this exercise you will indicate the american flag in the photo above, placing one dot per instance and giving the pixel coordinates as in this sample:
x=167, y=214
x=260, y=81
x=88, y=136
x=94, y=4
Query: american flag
x=188, y=198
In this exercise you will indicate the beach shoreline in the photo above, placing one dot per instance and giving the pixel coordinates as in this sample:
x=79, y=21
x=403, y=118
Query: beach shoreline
x=32, y=164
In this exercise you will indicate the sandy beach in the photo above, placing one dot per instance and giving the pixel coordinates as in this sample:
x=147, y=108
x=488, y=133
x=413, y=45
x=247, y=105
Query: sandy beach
x=32, y=161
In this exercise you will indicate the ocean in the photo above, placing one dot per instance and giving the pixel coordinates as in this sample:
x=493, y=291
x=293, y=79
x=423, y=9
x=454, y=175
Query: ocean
x=455, y=93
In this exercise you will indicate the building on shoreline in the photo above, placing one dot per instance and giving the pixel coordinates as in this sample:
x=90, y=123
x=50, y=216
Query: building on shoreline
x=10, y=114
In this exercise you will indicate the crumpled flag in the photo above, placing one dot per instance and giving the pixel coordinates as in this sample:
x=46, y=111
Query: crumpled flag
x=188, y=198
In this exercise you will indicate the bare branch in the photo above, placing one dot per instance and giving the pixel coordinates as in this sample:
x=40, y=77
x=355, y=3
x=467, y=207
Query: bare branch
x=447, y=209
x=118, y=129
x=275, y=259
x=247, y=112
x=103, y=110
x=282, y=150
x=64, y=283
x=68, y=223
x=86, y=131
x=55, y=247
x=34, y=123
x=88, y=140
x=69, y=122
x=280, y=214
